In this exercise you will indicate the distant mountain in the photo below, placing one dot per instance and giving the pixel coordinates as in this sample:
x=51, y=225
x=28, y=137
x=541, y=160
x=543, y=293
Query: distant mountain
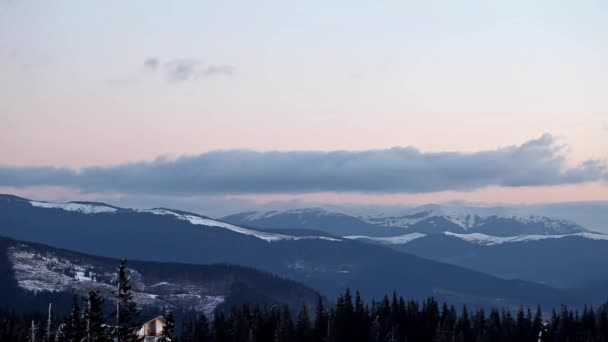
x=31, y=271
x=505, y=242
x=312, y=219
x=486, y=220
x=428, y=219
x=326, y=263
x=565, y=261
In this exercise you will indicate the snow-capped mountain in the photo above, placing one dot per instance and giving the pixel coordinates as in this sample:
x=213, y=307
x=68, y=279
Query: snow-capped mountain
x=102, y=208
x=477, y=238
x=331, y=222
x=428, y=219
x=499, y=221
x=325, y=263
x=506, y=242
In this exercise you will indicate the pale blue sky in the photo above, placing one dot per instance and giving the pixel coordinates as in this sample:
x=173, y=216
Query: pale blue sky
x=317, y=75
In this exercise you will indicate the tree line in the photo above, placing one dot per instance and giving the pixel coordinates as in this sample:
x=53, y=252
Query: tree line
x=394, y=319
x=351, y=319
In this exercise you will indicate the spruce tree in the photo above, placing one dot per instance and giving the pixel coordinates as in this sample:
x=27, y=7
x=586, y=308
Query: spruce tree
x=220, y=328
x=462, y=330
x=168, y=334
x=126, y=309
x=537, y=324
x=321, y=321
x=201, y=331
x=285, y=331
x=603, y=323
x=95, y=329
x=303, y=331
x=73, y=330
x=523, y=326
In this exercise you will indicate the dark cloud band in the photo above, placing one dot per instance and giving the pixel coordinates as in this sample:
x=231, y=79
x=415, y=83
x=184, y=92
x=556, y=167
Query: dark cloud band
x=397, y=170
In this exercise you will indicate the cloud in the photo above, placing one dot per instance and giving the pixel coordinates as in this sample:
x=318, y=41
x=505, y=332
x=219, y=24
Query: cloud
x=538, y=162
x=184, y=69
x=219, y=70
x=151, y=64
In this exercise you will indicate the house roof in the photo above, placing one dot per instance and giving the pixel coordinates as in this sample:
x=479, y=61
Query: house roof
x=154, y=319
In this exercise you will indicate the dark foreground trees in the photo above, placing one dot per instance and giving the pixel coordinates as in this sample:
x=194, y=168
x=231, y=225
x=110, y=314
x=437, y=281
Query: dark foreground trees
x=89, y=324
x=350, y=319
x=126, y=323
x=395, y=319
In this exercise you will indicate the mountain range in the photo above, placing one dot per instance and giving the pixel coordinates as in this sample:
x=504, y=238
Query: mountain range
x=508, y=243
x=428, y=219
x=323, y=261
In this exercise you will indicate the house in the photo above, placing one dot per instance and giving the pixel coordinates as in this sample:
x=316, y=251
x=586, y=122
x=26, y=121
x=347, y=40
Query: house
x=152, y=329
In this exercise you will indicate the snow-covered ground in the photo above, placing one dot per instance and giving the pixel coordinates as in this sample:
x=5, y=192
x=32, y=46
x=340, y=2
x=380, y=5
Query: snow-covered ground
x=78, y=207
x=48, y=272
x=202, y=221
x=468, y=217
x=488, y=240
x=476, y=238
x=432, y=216
x=98, y=208
x=391, y=240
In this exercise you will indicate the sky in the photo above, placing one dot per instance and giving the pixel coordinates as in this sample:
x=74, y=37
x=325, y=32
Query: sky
x=233, y=103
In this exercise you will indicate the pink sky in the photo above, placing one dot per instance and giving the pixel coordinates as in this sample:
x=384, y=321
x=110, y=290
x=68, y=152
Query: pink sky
x=468, y=77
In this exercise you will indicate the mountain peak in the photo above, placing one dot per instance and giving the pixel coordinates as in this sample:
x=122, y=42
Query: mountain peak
x=428, y=219
x=9, y=197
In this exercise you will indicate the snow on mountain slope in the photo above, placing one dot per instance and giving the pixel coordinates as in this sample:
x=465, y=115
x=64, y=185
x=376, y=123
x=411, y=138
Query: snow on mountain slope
x=391, y=240
x=477, y=218
x=488, y=240
x=197, y=220
x=49, y=272
x=427, y=219
x=302, y=213
x=475, y=238
x=85, y=208
x=99, y=208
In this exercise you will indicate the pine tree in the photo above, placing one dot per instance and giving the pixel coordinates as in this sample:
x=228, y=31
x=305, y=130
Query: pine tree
x=303, y=331
x=95, y=329
x=523, y=325
x=201, y=331
x=446, y=324
x=126, y=309
x=462, y=330
x=73, y=330
x=285, y=331
x=168, y=328
x=321, y=321
x=220, y=328
x=603, y=323
x=479, y=325
x=588, y=325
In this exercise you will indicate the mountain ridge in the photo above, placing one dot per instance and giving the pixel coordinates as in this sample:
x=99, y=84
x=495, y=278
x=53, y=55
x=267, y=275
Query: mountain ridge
x=36, y=269
x=326, y=264
x=429, y=219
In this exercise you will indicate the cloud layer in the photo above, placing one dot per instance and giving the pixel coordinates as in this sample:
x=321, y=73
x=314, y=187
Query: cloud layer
x=179, y=70
x=537, y=162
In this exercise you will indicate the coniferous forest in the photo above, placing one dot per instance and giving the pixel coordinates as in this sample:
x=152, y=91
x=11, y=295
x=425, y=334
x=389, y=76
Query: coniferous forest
x=350, y=319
